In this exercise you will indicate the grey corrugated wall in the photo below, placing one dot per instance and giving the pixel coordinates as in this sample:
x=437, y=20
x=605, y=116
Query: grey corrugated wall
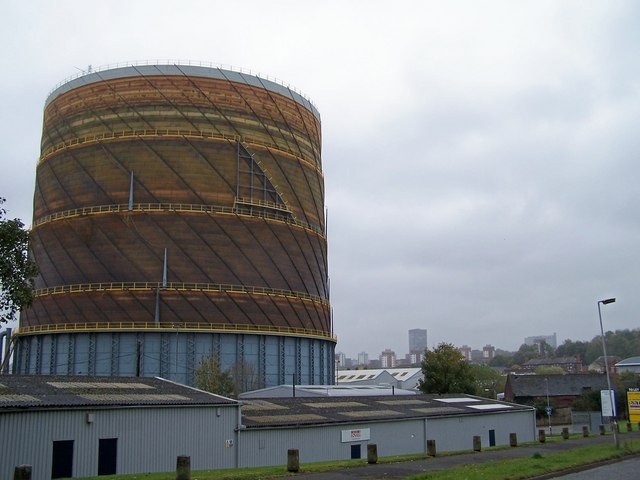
x=149, y=438
x=268, y=446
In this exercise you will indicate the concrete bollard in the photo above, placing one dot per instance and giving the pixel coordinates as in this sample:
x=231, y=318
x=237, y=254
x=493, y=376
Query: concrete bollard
x=565, y=432
x=22, y=472
x=293, y=460
x=629, y=427
x=183, y=467
x=372, y=453
x=431, y=448
x=541, y=436
x=585, y=431
x=513, y=439
x=477, y=443
x=602, y=429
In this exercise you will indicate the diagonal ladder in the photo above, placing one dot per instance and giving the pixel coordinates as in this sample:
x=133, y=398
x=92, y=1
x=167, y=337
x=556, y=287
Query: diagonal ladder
x=255, y=187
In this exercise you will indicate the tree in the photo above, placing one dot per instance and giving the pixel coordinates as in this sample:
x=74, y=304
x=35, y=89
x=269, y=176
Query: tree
x=588, y=401
x=573, y=349
x=524, y=353
x=501, y=360
x=446, y=371
x=17, y=270
x=211, y=378
x=245, y=377
x=488, y=381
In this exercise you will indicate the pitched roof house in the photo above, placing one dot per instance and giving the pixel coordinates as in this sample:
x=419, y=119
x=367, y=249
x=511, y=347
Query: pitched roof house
x=562, y=389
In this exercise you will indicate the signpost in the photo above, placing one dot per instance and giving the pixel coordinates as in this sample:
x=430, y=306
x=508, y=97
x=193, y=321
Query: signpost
x=608, y=402
x=633, y=403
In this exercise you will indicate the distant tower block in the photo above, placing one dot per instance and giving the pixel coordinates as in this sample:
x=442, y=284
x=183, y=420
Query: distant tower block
x=417, y=340
x=178, y=213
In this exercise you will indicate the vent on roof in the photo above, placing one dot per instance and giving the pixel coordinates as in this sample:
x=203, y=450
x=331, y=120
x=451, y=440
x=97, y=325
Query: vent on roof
x=335, y=404
x=490, y=406
x=132, y=397
x=285, y=418
x=370, y=413
x=456, y=400
x=105, y=385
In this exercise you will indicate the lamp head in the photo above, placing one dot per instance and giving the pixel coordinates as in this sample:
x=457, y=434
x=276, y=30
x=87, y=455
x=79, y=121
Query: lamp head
x=607, y=301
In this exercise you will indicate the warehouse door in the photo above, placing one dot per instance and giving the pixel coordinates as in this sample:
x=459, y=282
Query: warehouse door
x=355, y=451
x=107, y=456
x=62, y=459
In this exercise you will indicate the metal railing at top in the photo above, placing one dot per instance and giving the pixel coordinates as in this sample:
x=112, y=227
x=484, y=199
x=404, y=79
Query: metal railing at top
x=172, y=326
x=148, y=132
x=168, y=133
x=178, y=207
x=178, y=286
x=190, y=63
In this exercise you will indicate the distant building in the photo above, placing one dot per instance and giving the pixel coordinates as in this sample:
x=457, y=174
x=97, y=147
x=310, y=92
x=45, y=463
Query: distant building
x=341, y=360
x=488, y=352
x=550, y=340
x=598, y=365
x=562, y=389
x=631, y=364
x=466, y=352
x=417, y=340
x=348, y=363
x=568, y=364
x=414, y=358
x=375, y=363
x=403, y=378
x=363, y=358
x=388, y=359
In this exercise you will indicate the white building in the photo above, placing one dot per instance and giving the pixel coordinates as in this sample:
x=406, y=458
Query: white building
x=363, y=359
x=388, y=359
x=404, y=378
x=550, y=340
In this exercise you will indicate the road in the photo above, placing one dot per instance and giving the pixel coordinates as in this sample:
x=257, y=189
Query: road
x=403, y=470
x=623, y=469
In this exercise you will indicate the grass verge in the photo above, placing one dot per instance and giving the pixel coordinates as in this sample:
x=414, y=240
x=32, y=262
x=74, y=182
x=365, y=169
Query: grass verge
x=535, y=465
x=516, y=469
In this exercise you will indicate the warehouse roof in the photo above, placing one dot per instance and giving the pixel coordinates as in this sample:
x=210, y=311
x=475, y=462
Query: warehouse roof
x=65, y=391
x=628, y=362
x=280, y=412
x=554, y=385
x=288, y=391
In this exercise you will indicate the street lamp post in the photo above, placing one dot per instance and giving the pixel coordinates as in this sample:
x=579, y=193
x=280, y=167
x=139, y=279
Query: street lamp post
x=546, y=379
x=614, y=426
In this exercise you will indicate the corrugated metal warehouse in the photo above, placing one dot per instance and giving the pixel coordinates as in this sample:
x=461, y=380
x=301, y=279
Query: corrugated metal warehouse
x=84, y=426
x=334, y=428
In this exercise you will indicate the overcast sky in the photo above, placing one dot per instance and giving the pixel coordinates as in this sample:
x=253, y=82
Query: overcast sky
x=481, y=158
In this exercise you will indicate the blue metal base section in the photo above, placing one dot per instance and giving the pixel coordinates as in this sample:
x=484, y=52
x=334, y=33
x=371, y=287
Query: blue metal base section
x=264, y=360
